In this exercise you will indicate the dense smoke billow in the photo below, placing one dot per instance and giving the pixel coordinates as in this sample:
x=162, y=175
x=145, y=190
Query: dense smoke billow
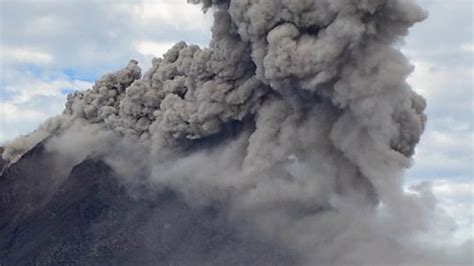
x=297, y=117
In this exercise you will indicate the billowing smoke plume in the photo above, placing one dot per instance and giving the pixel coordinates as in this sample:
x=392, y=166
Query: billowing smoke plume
x=297, y=116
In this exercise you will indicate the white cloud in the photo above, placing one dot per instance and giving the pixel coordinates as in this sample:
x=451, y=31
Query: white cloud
x=13, y=113
x=456, y=199
x=431, y=163
x=14, y=55
x=447, y=145
x=468, y=47
x=442, y=82
x=24, y=86
x=153, y=48
x=440, y=37
x=27, y=99
x=99, y=34
x=24, y=117
x=452, y=139
x=454, y=189
x=47, y=24
x=453, y=222
x=177, y=15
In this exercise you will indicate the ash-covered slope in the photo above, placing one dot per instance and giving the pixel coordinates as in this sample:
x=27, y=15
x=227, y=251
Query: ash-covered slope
x=90, y=219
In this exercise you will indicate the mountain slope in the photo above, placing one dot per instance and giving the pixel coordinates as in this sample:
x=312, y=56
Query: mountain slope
x=88, y=218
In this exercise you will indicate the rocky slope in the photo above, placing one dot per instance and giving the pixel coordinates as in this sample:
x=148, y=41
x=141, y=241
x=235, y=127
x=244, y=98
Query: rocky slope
x=88, y=218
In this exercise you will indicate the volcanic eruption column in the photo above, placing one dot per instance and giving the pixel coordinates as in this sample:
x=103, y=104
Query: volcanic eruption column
x=328, y=123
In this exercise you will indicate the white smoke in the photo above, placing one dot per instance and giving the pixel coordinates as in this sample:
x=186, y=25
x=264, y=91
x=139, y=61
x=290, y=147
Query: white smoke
x=297, y=116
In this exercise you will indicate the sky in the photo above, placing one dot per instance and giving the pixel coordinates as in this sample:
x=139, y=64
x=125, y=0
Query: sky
x=49, y=48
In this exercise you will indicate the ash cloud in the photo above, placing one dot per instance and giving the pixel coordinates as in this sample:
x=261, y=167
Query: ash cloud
x=327, y=125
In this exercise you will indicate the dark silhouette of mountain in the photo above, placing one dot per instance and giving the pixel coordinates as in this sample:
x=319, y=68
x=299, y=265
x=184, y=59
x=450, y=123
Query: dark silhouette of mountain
x=3, y=163
x=88, y=218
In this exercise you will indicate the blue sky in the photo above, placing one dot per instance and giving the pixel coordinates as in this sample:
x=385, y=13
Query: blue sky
x=51, y=47
x=442, y=50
